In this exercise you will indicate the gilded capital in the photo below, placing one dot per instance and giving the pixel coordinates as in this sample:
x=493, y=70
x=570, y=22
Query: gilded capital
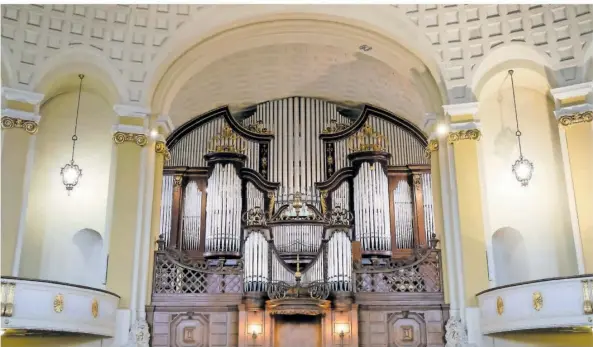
x=161, y=147
x=433, y=146
x=121, y=137
x=16, y=123
x=576, y=118
x=470, y=134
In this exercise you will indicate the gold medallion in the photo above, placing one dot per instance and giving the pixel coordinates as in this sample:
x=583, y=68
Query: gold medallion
x=95, y=308
x=499, y=306
x=538, y=301
x=59, y=303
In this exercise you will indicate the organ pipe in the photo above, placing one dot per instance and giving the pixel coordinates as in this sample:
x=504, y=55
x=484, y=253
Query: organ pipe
x=341, y=196
x=314, y=272
x=429, y=227
x=255, y=198
x=404, y=215
x=223, y=210
x=297, y=238
x=339, y=262
x=192, y=217
x=256, y=263
x=278, y=271
x=166, y=208
x=371, y=208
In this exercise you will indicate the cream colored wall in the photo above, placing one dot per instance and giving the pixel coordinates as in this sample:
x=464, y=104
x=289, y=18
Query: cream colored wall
x=66, y=341
x=53, y=217
x=541, y=339
x=540, y=211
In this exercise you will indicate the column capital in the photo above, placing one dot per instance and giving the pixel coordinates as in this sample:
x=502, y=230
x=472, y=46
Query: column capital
x=571, y=115
x=20, y=109
x=15, y=119
x=130, y=133
x=433, y=146
x=464, y=131
x=131, y=111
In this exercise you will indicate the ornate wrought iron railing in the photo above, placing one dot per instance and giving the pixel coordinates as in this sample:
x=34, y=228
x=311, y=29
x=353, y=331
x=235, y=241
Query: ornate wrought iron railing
x=420, y=273
x=175, y=273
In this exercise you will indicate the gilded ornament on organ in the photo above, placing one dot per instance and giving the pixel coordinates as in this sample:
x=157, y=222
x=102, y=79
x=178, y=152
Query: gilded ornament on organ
x=161, y=147
x=367, y=139
x=433, y=146
x=226, y=142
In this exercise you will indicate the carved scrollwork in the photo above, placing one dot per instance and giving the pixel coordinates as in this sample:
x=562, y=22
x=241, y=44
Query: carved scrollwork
x=259, y=128
x=317, y=290
x=255, y=217
x=335, y=127
x=161, y=147
x=581, y=117
x=339, y=217
x=433, y=146
x=470, y=134
x=121, y=137
x=16, y=123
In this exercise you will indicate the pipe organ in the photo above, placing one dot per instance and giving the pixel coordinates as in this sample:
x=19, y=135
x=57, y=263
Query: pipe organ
x=297, y=206
x=295, y=161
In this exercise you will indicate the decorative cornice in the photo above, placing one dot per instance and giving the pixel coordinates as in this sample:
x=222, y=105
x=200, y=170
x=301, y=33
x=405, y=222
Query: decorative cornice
x=433, y=146
x=22, y=96
x=165, y=123
x=24, y=115
x=581, y=117
x=131, y=111
x=134, y=129
x=454, y=110
x=16, y=123
x=470, y=134
x=573, y=91
x=121, y=137
x=161, y=147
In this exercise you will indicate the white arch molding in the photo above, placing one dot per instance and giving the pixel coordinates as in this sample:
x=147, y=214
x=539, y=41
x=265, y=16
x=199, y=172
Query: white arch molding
x=99, y=73
x=223, y=31
x=510, y=256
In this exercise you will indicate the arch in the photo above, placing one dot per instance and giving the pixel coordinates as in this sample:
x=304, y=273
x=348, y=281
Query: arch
x=514, y=55
x=8, y=66
x=88, y=259
x=386, y=22
x=510, y=256
x=58, y=75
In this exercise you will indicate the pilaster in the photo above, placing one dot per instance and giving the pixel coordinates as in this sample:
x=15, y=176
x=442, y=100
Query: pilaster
x=128, y=177
x=574, y=113
x=20, y=124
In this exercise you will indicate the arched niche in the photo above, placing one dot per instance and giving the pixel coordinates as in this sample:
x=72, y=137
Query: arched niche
x=88, y=258
x=510, y=256
x=59, y=75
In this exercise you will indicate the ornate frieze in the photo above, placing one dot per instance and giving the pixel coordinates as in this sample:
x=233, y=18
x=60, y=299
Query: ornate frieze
x=16, y=123
x=121, y=137
x=469, y=134
x=7, y=302
x=161, y=147
x=576, y=118
x=433, y=146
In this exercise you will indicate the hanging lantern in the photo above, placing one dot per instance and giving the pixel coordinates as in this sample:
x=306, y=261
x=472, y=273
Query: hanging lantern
x=523, y=168
x=71, y=172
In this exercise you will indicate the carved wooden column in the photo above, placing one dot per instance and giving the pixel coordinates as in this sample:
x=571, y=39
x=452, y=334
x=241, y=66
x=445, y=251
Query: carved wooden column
x=178, y=184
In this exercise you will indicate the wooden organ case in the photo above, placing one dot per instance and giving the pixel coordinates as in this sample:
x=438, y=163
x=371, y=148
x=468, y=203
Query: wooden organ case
x=291, y=199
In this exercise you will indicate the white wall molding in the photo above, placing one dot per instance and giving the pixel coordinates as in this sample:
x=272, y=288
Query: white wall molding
x=465, y=125
x=571, y=110
x=455, y=110
x=572, y=91
x=20, y=95
x=24, y=115
x=133, y=129
x=131, y=111
x=165, y=123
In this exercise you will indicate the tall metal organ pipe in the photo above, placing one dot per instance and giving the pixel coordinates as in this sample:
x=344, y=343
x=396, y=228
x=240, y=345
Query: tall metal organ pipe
x=256, y=263
x=339, y=262
x=371, y=208
x=223, y=210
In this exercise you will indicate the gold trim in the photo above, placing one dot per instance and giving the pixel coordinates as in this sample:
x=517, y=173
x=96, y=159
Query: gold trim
x=59, y=303
x=139, y=139
x=538, y=301
x=272, y=202
x=499, y=306
x=95, y=308
x=579, y=117
x=323, y=201
x=16, y=123
x=433, y=146
x=470, y=134
x=226, y=142
x=161, y=147
x=177, y=179
x=367, y=139
x=7, y=303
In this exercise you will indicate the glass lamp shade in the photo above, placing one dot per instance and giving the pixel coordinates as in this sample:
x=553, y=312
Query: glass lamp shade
x=523, y=170
x=70, y=175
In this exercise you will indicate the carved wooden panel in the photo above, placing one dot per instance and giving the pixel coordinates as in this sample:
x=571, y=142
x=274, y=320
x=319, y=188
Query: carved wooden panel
x=406, y=329
x=190, y=330
x=297, y=331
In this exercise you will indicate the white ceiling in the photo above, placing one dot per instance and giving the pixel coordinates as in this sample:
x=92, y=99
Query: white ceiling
x=283, y=70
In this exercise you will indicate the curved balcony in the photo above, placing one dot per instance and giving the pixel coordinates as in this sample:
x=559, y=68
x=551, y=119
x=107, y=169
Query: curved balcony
x=31, y=306
x=552, y=303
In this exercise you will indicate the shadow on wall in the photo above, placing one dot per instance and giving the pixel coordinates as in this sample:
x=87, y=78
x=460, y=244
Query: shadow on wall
x=510, y=256
x=88, y=259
